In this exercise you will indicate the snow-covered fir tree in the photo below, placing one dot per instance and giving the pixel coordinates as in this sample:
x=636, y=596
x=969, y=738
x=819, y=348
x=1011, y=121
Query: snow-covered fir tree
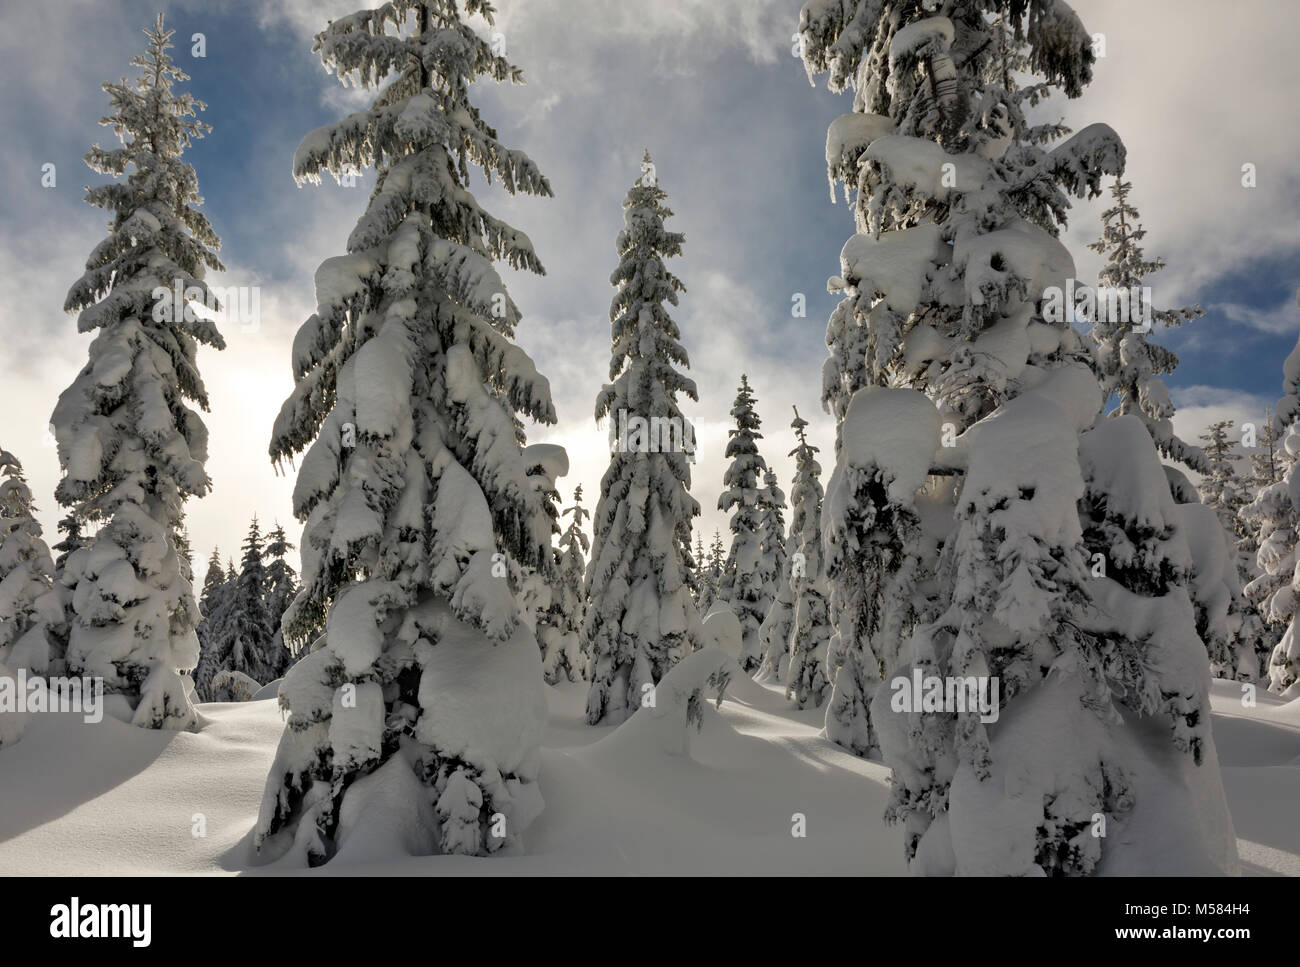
x=253, y=646
x=963, y=412
x=214, y=608
x=771, y=533
x=1274, y=510
x=1236, y=641
x=710, y=580
x=72, y=540
x=745, y=580
x=701, y=560
x=131, y=449
x=1222, y=486
x=1130, y=365
x=213, y=578
x=641, y=618
x=239, y=634
x=810, y=635
x=561, y=650
x=774, y=634
x=1269, y=461
x=31, y=613
x=538, y=594
x=691, y=565
x=420, y=505
x=281, y=589
x=1270, y=516
x=184, y=551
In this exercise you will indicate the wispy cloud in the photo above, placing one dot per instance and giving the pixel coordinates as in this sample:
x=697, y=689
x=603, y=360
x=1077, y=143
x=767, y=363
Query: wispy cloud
x=1283, y=317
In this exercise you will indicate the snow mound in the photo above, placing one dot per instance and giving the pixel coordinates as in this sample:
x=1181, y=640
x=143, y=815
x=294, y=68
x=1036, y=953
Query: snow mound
x=550, y=458
x=124, y=800
x=847, y=137
x=12, y=721
x=936, y=31
x=1042, y=746
x=896, y=430
x=722, y=630
x=924, y=167
x=269, y=690
x=234, y=686
x=484, y=702
x=893, y=266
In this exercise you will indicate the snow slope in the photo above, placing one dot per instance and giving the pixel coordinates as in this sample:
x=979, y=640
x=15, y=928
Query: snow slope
x=624, y=800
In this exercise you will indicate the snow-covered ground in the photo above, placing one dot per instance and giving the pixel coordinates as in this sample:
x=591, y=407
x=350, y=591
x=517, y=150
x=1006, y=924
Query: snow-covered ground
x=112, y=799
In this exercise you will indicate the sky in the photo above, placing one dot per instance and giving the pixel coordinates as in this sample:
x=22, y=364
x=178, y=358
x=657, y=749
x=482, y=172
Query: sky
x=1195, y=88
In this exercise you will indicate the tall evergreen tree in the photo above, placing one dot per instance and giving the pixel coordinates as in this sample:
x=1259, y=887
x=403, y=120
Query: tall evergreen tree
x=701, y=571
x=213, y=578
x=254, y=649
x=1235, y=640
x=774, y=634
x=744, y=582
x=31, y=614
x=562, y=654
x=418, y=501
x=811, y=631
x=238, y=635
x=72, y=540
x=1270, y=516
x=962, y=413
x=1275, y=511
x=131, y=449
x=771, y=532
x=641, y=618
x=711, y=575
x=184, y=552
x=216, y=590
x=1222, y=486
x=1128, y=362
x=281, y=589
x=1270, y=461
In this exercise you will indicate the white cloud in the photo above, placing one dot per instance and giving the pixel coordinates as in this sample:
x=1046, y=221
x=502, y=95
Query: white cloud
x=1195, y=93
x=1200, y=406
x=1278, y=319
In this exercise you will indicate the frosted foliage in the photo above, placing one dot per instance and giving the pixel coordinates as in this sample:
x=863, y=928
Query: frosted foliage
x=422, y=508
